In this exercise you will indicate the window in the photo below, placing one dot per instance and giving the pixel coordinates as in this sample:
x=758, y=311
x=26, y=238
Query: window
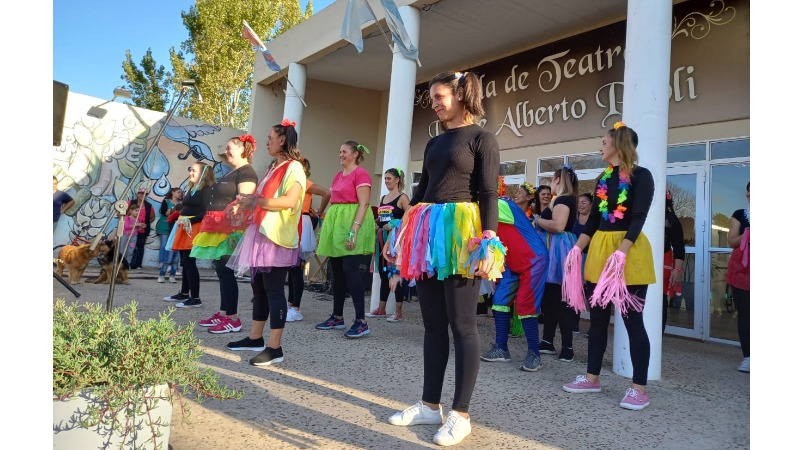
x=415, y=177
x=513, y=173
x=730, y=149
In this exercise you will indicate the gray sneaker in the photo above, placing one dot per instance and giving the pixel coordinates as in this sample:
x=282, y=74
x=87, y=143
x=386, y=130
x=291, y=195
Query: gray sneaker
x=496, y=354
x=533, y=362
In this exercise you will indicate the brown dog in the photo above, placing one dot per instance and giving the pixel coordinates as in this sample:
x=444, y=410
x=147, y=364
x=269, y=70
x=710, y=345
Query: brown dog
x=77, y=259
x=108, y=263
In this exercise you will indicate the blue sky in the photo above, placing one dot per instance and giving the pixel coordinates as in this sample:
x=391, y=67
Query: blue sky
x=90, y=38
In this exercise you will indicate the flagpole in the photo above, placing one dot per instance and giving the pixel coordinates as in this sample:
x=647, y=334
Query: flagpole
x=295, y=91
x=378, y=22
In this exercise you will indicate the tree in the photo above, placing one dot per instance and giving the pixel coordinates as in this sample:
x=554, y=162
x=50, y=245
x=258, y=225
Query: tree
x=149, y=85
x=220, y=60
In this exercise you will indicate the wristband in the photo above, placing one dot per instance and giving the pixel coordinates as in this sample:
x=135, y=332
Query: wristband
x=351, y=235
x=678, y=270
x=357, y=223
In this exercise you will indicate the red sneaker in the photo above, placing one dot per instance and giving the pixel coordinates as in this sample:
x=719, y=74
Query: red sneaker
x=376, y=313
x=211, y=321
x=226, y=326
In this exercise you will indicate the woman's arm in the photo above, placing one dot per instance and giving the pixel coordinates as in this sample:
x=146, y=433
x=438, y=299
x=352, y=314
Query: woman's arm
x=559, y=221
x=163, y=209
x=404, y=202
x=316, y=189
x=735, y=233
x=287, y=201
x=363, y=193
x=246, y=187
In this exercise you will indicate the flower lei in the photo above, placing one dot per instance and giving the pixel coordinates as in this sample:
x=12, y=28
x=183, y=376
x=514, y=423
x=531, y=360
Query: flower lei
x=602, y=192
x=501, y=187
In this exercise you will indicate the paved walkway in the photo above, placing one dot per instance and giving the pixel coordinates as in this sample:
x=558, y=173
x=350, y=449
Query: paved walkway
x=335, y=393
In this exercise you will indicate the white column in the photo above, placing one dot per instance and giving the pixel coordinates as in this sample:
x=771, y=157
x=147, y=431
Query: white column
x=397, y=147
x=293, y=107
x=645, y=108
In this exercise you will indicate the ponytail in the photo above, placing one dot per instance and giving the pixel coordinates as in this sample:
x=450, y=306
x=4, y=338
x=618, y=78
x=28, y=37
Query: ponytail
x=467, y=90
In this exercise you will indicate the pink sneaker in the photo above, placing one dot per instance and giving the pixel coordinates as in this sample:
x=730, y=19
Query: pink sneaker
x=581, y=384
x=226, y=326
x=211, y=321
x=635, y=399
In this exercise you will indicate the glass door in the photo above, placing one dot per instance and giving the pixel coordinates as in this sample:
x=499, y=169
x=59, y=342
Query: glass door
x=686, y=308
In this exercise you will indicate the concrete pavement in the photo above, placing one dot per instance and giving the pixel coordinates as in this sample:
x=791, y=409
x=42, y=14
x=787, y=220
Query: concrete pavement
x=335, y=393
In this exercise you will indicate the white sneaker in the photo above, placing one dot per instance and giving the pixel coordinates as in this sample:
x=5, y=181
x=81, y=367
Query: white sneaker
x=454, y=430
x=161, y=279
x=745, y=365
x=417, y=414
x=293, y=315
x=172, y=279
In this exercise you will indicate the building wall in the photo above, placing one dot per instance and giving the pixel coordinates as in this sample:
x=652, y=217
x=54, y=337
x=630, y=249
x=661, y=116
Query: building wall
x=103, y=144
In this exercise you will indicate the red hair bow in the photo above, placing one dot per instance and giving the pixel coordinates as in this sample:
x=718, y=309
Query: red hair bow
x=250, y=139
x=286, y=123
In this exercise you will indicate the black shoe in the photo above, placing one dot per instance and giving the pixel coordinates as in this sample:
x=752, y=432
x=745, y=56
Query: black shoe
x=267, y=357
x=567, y=355
x=248, y=344
x=191, y=303
x=177, y=297
x=547, y=348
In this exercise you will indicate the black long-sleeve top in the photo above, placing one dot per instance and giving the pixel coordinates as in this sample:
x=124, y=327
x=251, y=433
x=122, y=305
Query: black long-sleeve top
x=673, y=237
x=462, y=165
x=195, y=205
x=640, y=196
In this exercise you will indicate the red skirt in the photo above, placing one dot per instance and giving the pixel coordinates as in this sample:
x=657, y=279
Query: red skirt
x=219, y=222
x=669, y=264
x=183, y=240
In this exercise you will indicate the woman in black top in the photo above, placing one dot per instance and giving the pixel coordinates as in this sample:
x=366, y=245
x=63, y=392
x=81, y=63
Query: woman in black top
x=460, y=168
x=543, y=197
x=219, y=234
x=738, y=276
x=393, y=206
x=195, y=202
x=674, y=256
x=619, y=265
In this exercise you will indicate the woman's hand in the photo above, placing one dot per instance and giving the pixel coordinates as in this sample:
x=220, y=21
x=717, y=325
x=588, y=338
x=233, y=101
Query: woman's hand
x=350, y=242
x=675, y=278
x=487, y=263
x=387, y=227
x=387, y=253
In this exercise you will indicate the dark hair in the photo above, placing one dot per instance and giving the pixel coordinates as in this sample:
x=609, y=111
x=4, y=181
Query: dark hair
x=356, y=148
x=470, y=87
x=54, y=178
x=306, y=166
x=625, y=141
x=171, y=192
x=537, y=204
x=748, y=185
x=588, y=196
x=177, y=207
x=289, y=148
x=246, y=147
x=397, y=174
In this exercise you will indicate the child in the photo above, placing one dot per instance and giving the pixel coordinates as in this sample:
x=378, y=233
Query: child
x=129, y=232
x=172, y=258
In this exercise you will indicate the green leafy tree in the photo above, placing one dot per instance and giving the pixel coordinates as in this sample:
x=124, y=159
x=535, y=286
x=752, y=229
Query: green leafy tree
x=220, y=60
x=149, y=84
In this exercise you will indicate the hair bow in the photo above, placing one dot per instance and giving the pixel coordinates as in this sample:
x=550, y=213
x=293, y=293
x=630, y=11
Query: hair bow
x=362, y=148
x=619, y=124
x=250, y=139
x=569, y=167
x=399, y=171
x=286, y=123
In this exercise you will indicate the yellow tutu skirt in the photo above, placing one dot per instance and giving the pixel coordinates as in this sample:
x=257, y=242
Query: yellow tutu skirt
x=638, y=263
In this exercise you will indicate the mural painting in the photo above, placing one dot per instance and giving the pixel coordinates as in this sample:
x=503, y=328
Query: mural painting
x=102, y=146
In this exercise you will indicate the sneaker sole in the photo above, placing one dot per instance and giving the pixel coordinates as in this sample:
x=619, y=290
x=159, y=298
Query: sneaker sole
x=375, y=315
x=417, y=422
x=526, y=369
x=188, y=306
x=579, y=391
x=566, y=360
x=170, y=299
x=495, y=359
x=255, y=349
x=226, y=330
x=268, y=363
x=208, y=324
x=634, y=407
x=362, y=334
x=162, y=281
x=547, y=352
x=336, y=327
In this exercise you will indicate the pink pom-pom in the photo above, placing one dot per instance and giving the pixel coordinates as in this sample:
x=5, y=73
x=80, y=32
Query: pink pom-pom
x=572, y=283
x=611, y=287
x=745, y=247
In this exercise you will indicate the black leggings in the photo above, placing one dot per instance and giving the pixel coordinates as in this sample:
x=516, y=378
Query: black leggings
x=347, y=278
x=452, y=302
x=557, y=313
x=742, y=300
x=296, y=284
x=228, y=287
x=190, y=281
x=637, y=335
x=268, y=296
x=399, y=292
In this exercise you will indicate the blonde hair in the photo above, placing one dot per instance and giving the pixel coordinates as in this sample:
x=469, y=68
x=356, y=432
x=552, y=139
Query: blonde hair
x=625, y=141
x=568, y=185
x=206, y=177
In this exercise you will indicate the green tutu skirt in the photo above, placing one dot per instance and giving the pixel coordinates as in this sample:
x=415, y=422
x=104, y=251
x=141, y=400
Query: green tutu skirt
x=214, y=246
x=333, y=236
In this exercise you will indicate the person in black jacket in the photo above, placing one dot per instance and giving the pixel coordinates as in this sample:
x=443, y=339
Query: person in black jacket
x=198, y=194
x=674, y=257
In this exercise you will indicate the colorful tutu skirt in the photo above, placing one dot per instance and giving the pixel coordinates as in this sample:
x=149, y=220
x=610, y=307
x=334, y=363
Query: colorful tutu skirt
x=638, y=263
x=558, y=245
x=333, y=236
x=308, y=239
x=435, y=239
x=217, y=237
x=256, y=252
x=183, y=234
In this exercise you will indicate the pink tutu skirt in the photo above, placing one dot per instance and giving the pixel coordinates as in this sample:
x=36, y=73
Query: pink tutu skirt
x=257, y=253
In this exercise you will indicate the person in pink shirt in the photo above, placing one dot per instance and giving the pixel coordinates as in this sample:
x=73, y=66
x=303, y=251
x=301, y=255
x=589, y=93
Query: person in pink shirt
x=130, y=230
x=343, y=240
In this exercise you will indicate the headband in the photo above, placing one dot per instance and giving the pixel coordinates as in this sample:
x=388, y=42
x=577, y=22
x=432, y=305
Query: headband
x=619, y=124
x=250, y=139
x=201, y=178
x=362, y=148
x=399, y=171
x=528, y=188
x=285, y=123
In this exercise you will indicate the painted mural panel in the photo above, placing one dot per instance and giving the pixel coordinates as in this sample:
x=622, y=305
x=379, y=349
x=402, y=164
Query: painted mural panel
x=104, y=143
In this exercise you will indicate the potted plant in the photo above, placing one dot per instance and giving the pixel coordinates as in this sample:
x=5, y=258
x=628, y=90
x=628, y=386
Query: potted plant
x=115, y=377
